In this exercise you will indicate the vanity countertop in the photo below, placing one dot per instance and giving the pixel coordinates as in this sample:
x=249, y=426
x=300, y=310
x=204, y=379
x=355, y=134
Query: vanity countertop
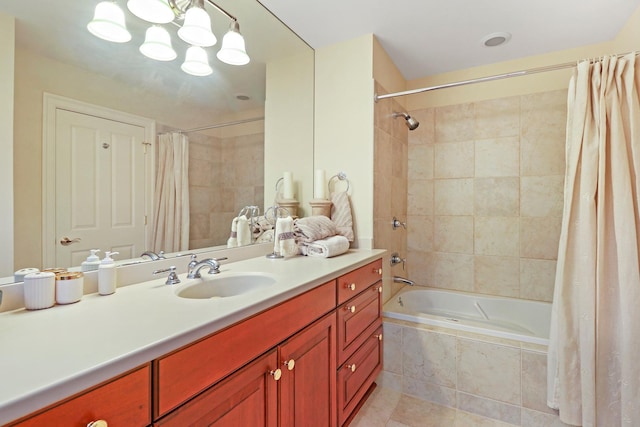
x=48, y=355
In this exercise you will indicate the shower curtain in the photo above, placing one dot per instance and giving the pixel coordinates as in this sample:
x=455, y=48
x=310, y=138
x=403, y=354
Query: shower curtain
x=593, y=371
x=171, y=216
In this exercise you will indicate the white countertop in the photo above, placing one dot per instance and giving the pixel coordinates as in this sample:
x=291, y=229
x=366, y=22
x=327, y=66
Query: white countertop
x=48, y=355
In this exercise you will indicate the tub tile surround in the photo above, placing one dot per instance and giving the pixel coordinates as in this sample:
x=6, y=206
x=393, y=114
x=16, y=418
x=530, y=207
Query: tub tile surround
x=464, y=376
x=485, y=194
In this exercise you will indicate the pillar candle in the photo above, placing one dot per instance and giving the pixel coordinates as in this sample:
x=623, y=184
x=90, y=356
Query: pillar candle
x=319, y=185
x=288, y=185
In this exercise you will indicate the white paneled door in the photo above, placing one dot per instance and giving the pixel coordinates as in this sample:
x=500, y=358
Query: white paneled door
x=99, y=187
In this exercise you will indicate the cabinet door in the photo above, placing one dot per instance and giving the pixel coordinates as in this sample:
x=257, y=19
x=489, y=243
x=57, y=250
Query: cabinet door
x=125, y=401
x=307, y=387
x=248, y=398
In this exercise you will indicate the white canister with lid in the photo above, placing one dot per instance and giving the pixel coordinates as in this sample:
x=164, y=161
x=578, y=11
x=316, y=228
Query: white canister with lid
x=69, y=287
x=39, y=290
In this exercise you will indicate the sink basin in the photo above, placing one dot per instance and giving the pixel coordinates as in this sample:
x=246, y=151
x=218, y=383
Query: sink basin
x=223, y=286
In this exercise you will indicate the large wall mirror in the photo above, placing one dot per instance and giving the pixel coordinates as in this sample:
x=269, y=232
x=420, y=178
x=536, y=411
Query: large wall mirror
x=252, y=111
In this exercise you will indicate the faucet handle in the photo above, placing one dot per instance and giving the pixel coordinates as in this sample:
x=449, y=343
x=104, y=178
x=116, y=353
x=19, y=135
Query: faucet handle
x=194, y=261
x=172, y=279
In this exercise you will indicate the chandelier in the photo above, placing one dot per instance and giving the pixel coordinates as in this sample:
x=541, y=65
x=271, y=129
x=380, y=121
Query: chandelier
x=194, y=29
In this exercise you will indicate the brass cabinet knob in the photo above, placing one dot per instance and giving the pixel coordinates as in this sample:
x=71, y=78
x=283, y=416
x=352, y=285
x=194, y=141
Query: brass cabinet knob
x=276, y=374
x=290, y=364
x=351, y=286
x=378, y=270
x=379, y=289
x=352, y=308
x=98, y=423
x=379, y=336
x=352, y=367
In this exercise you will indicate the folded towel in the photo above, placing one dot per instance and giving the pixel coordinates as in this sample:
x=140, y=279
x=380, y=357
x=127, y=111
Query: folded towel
x=265, y=237
x=284, y=241
x=314, y=228
x=232, y=242
x=327, y=248
x=341, y=214
x=244, y=233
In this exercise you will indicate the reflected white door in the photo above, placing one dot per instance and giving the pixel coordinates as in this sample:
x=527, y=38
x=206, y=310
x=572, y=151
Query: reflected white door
x=100, y=187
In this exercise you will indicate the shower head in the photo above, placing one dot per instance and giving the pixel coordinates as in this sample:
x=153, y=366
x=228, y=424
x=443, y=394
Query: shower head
x=410, y=121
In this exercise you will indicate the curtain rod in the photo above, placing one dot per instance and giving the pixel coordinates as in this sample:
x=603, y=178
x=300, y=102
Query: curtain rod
x=377, y=97
x=220, y=125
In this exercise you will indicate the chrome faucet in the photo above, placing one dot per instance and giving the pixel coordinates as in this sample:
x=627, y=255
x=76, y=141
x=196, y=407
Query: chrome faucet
x=154, y=256
x=212, y=263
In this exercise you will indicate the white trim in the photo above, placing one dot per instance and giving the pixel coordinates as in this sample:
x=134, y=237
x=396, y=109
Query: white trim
x=50, y=104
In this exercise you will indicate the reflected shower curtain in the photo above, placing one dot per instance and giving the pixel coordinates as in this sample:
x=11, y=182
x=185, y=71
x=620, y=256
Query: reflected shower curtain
x=593, y=374
x=171, y=216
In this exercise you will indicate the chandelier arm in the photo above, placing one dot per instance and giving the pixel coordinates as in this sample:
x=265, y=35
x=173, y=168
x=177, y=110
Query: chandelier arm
x=221, y=10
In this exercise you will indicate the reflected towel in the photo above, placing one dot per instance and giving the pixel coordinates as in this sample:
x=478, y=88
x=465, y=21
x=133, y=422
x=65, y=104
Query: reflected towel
x=341, y=214
x=327, y=248
x=244, y=232
x=232, y=242
x=314, y=228
x=284, y=241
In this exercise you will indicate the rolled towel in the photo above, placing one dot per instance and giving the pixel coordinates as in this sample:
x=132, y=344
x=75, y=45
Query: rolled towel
x=327, y=248
x=244, y=232
x=314, y=228
x=284, y=241
x=232, y=242
x=341, y=214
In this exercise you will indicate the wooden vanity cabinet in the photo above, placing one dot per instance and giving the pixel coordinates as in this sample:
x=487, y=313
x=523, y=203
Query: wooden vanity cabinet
x=124, y=401
x=359, y=333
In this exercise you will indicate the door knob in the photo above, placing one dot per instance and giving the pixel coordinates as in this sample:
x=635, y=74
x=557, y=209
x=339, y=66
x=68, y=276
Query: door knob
x=65, y=241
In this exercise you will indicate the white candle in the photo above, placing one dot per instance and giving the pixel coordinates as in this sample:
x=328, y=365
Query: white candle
x=287, y=185
x=319, y=185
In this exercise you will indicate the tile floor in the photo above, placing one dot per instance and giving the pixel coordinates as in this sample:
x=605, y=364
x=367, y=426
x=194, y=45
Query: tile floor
x=390, y=408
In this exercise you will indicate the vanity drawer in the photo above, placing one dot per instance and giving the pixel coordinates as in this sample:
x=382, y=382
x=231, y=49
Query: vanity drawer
x=192, y=369
x=356, y=316
x=125, y=401
x=358, y=373
x=354, y=282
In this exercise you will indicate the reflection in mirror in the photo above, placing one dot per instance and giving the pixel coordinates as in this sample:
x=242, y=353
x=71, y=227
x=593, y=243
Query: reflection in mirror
x=55, y=54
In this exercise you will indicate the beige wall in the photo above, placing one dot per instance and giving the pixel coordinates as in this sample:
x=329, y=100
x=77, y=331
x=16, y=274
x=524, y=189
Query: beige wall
x=344, y=124
x=7, y=35
x=289, y=127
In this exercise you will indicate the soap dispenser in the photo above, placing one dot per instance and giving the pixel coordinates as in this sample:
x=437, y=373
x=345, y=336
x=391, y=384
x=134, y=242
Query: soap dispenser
x=92, y=262
x=107, y=275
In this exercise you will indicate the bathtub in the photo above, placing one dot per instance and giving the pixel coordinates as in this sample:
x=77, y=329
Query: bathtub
x=501, y=317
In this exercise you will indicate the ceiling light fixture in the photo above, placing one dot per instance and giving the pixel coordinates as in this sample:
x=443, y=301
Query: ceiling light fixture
x=496, y=39
x=195, y=29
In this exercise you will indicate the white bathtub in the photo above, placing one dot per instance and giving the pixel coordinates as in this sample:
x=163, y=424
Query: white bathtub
x=511, y=318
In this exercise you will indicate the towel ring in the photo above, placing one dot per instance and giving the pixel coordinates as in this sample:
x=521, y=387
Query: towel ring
x=249, y=211
x=342, y=177
x=277, y=212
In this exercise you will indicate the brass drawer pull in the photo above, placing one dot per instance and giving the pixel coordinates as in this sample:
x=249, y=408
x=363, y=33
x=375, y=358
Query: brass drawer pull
x=351, y=367
x=352, y=308
x=351, y=286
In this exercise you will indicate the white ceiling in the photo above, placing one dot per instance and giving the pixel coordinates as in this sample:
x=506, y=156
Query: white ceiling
x=426, y=37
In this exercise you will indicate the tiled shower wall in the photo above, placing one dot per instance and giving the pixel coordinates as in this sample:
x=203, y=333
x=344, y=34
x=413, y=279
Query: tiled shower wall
x=225, y=174
x=485, y=195
x=390, y=179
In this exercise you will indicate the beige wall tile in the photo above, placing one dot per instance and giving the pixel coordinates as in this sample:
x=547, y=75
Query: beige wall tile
x=420, y=267
x=453, y=234
x=532, y=418
x=429, y=391
x=466, y=419
x=489, y=408
x=537, y=279
x=539, y=237
x=496, y=236
x=426, y=132
x=534, y=381
x=541, y=195
x=419, y=233
x=454, y=159
x=454, y=123
x=392, y=348
x=496, y=196
x=420, y=162
x=390, y=381
x=420, y=197
x=452, y=271
x=382, y=196
x=489, y=370
x=497, y=157
x=382, y=153
x=429, y=356
x=453, y=197
x=497, y=276
x=540, y=156
x=497, y=117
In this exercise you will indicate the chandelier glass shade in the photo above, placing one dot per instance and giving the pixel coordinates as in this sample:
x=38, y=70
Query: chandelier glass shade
x=109, y=24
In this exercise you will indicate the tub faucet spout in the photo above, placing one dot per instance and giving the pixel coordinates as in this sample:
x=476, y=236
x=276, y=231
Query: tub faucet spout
x=398, y=279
